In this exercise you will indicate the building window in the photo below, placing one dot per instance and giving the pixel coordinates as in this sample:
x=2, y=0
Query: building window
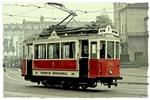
x=93, y=49
x=29, y=26
x=13, y=27
x=110, y=49
x=40, y=51
x=53, y=51
x=5, y=26
x=122, y=31
x=35, y=27
x=20, y=26
x=68, y=50
x=139, y=56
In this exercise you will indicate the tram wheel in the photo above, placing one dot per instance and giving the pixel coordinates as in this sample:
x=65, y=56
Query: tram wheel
x=84, y=87
x=75, y=87
x=66, y=86
x=109, y=85
x=46, y=84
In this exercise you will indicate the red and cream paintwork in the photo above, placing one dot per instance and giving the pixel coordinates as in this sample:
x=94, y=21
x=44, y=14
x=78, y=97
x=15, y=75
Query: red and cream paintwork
x=58, y=68
x=104, y=68
x=70, y=67
x=24, y=67
x=53, y=67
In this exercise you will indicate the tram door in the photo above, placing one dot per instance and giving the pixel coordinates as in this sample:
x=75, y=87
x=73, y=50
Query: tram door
x=29, y=59
x=83, y=61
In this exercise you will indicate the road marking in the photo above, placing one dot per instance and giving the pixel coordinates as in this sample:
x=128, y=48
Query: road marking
x=18, y=75
x=26, y=94
x=12, y=78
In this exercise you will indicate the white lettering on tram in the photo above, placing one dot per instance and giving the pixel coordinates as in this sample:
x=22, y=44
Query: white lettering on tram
x=56, y=73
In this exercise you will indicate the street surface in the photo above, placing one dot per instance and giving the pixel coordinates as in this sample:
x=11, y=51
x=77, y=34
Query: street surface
x=134, y=84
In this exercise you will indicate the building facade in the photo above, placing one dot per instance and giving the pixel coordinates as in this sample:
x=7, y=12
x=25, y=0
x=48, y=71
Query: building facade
x=15, y=34
x=13, y=37
x=34, y=28
x=132, y=22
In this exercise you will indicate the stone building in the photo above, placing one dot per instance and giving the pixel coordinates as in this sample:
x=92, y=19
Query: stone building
x=131, y=20
x=15, y=34
x=34, y=28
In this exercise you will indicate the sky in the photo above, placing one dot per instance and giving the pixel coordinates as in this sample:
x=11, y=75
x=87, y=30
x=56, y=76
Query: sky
x=15, y=12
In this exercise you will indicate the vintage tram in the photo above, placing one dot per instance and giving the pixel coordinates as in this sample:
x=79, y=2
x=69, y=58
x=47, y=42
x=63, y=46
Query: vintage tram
x=81, y=58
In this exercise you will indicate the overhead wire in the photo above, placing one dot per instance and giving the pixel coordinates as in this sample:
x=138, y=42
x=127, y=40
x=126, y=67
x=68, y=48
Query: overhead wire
x=78, y=10
x=38, y=7
x=29, y=16
x=28, y=11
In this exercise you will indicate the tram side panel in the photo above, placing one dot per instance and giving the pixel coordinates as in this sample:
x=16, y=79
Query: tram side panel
x=23, y=67
x=62, y=68
x=110, y=68
x=104, y=68
x=94, y=68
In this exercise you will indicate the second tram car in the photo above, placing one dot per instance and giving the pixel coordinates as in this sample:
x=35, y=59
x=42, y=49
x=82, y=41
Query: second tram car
x=73, y=61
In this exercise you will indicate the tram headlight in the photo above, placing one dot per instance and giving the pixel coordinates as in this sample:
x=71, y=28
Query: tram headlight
x=110, y=71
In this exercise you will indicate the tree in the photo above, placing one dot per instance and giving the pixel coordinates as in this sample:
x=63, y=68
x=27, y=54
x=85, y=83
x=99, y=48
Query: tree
x=103, y=21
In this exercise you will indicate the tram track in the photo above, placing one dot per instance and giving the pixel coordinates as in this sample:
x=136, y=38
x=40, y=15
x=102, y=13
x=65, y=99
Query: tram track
x=134, y=75
x=21, y=88
x=14, y=74
x=135, y=83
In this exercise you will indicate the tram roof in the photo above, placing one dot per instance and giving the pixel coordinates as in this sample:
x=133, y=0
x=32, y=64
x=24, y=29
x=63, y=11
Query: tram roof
x=77, y=37
x=82, y=34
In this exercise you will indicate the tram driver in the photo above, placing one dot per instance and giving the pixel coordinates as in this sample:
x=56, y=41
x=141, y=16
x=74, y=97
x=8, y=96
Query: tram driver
x=102, y=52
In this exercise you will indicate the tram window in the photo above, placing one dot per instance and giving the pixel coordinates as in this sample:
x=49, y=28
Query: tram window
x=85, y=51
x=110, y=49
x=40, y=51
x=93, y=49
x=53, y=51
x=117, y=49
x=85, y=48
x=68, y=50
x=102, y=49
x=29, y=54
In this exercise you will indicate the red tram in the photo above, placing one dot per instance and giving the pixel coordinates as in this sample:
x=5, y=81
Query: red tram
x=73, y=60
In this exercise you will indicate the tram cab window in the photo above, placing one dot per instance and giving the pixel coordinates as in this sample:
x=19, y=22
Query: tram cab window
x=68, y=50
x=93, y=49
x=53, y=51
x=102, y=49
x=110, y=49
x=117, y=49
x=40, y=51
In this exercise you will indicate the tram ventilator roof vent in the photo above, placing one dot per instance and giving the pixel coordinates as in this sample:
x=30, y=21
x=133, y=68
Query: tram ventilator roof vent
x=53, y=35
x=108, y=30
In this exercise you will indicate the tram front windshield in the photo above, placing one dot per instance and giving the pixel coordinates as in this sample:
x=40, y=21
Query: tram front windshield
x=111, y=50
